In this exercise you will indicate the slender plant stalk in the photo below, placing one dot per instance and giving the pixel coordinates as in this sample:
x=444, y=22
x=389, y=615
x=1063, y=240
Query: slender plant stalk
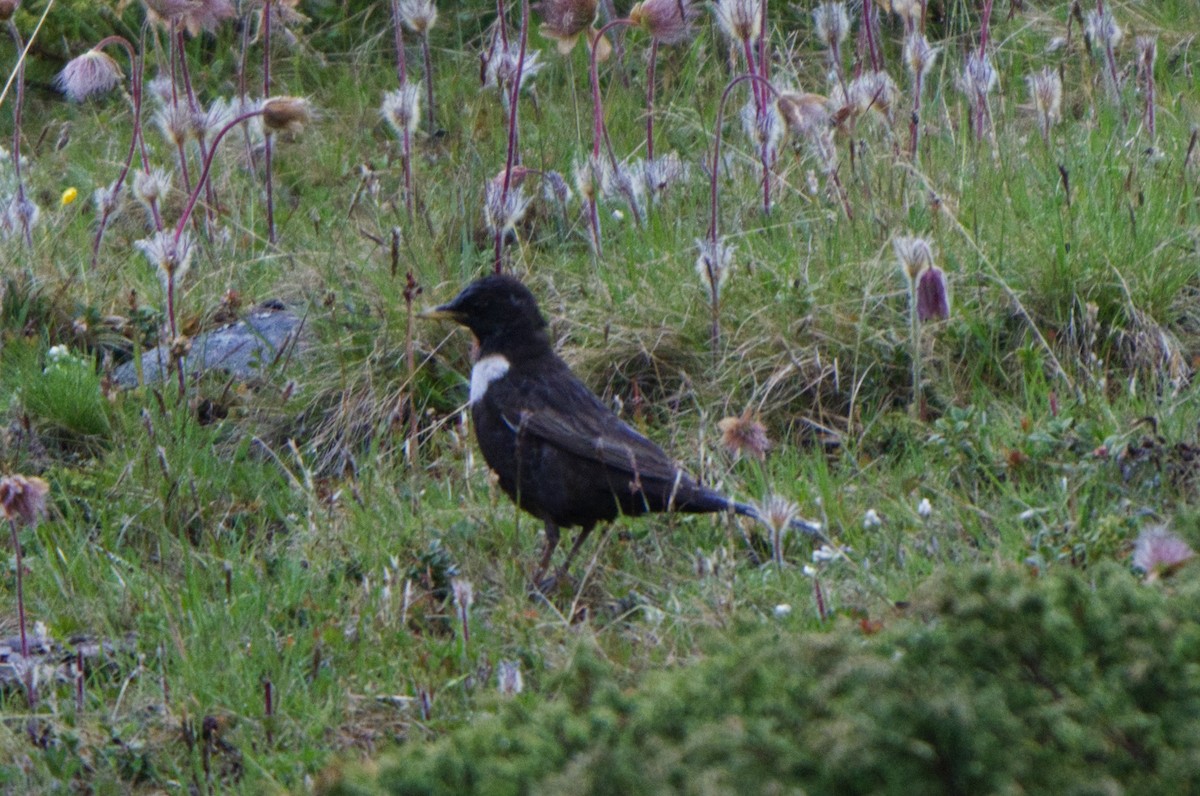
x=650, y=100
x=402, y=77
x=21, y=622
x=267, y=137
x=914, y=328
x=135, y=67
x=194, y=107
x=512, y=157
x=712, y=233
x=599, y=132
x=18, y=105
x=428, y=59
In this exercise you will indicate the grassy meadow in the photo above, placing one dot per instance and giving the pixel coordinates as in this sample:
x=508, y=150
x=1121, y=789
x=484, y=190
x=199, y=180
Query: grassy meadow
x=283, y=579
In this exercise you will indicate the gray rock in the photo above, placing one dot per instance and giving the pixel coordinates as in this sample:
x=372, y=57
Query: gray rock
x=243, y=349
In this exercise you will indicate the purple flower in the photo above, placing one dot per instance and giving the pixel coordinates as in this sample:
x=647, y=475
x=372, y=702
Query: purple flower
x=22, y=499
x=94, y=72
x=1160, y=552
x=668, y=21
x=933, y=302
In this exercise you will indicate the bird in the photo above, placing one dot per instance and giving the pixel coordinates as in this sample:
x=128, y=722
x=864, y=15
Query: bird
x=557, y=450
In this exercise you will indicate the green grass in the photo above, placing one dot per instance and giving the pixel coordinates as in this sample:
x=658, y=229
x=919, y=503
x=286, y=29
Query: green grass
x=299, y=542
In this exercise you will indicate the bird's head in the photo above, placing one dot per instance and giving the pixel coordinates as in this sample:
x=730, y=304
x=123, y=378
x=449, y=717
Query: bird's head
x=498, y=309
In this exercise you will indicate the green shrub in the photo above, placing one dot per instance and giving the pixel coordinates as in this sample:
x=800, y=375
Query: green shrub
x=1079, y=682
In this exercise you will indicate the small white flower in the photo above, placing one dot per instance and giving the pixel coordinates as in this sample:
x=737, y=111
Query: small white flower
x=826, y=553
x=782, y=610
x=871, y=519
x=925, y=508
x=809, y=570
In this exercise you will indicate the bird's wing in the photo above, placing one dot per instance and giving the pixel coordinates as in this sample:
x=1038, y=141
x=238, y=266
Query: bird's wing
x=573, y=419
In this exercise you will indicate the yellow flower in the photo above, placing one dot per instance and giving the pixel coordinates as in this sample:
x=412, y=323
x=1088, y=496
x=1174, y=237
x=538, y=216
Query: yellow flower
x=69, y=195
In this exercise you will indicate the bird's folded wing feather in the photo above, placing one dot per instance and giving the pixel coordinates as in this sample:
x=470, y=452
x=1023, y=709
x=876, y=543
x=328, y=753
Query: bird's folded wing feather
x=591, y=432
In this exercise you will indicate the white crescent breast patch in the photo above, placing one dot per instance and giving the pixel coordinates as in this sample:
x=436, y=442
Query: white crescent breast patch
x=486, y=371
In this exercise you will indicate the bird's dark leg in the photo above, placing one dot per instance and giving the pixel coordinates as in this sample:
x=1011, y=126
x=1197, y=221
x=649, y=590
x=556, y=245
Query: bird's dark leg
x=583, y=534
x=551, y=543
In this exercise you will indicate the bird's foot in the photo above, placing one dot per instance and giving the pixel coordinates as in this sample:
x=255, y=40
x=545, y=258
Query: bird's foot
x=551, y=585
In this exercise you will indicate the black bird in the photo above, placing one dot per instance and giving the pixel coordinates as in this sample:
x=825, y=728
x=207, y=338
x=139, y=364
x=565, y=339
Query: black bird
x=558, y=451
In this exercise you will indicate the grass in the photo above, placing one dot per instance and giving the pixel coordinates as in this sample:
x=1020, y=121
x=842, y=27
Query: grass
x=297, y=546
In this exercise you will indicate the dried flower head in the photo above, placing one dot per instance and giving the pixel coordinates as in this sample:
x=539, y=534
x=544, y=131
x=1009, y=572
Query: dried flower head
x=1101, y=28
x=590, y=176
x=555, y=188
x=195, y=16
x=667, y=21
x=171, y=259
x=979, y=77
x=907, y=10
x=158, y=89
x=419, y=16
x=286, y=114
x=1159, y=552
x=713, y=264
x=914, y=253
x=464, y=593
x=8, y=8
x=220, y=112
x=401, y=108
x=508, y=678
x=663, y=172
x=933, y=299
x=831, y=23
x=745, y=435
x=23, y=499
x=502, y=212
x=625, y=182
x=500, y=67
x=21, y=214
x=95, y=72
x=869, y=91
x=175, y=123
x=151, y=186
x=565, y=21
x=765, y=128
x=919, y=56
x=1147, y=53
x=106, y=199
x=1045, y=88
x=740, y=20
x=167, y=10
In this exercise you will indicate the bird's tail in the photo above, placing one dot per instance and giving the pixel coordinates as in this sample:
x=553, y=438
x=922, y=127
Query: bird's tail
x=800, y=524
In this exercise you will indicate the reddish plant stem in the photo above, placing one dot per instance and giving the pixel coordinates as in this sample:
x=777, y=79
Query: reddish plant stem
x=599, y=131
x=138, y=141
x=267, y=170
x=512, y=158
x=18, y=104
x=26, y=664
x=712, y=223
x=650, y=101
